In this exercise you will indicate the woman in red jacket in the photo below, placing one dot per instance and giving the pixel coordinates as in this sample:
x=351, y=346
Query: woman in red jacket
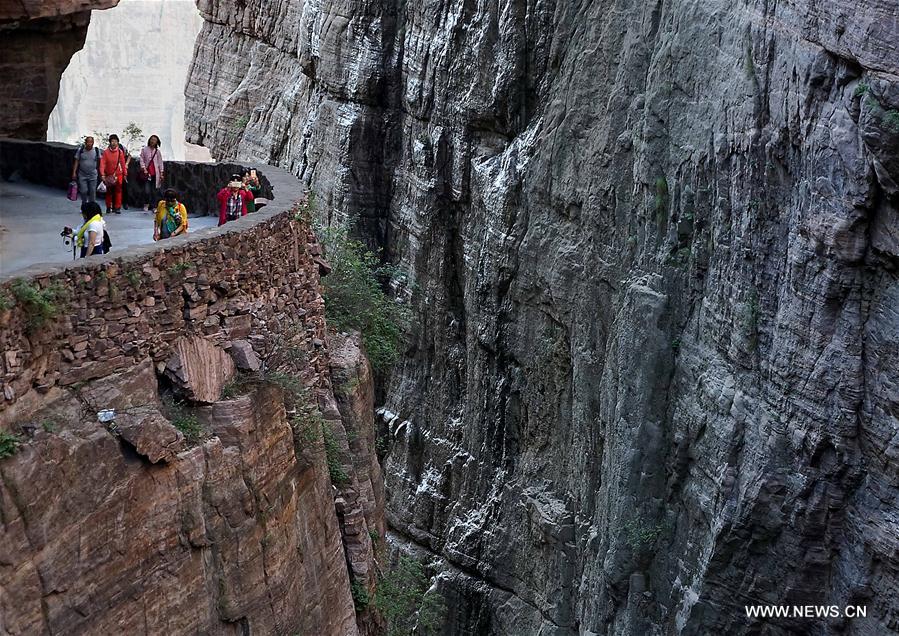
x=114, y=172
x=233, y=200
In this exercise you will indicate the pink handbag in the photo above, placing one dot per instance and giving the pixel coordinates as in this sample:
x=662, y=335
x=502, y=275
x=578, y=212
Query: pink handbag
x=73, y=191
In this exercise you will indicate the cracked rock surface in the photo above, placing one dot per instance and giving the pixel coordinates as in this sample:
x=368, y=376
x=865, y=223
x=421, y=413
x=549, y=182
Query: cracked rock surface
x=653, y=246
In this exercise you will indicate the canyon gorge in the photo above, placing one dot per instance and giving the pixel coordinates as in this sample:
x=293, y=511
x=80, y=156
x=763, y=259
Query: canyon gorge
x=650, y=374
x=651, y=252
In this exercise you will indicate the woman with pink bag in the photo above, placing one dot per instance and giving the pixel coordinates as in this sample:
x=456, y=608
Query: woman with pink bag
x=152, y=169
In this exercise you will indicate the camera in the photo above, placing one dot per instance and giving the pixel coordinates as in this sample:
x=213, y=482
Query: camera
x=67, y=235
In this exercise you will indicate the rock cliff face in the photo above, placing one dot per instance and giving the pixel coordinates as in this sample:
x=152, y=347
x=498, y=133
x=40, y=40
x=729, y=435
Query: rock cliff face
x=654, y=246
x=145, y=486
x=39, y=39
x=233, y=536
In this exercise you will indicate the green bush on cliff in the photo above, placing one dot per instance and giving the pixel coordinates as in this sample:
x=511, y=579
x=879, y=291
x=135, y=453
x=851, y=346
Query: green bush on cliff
x=404, y=603
x=338, y=475
x=38, y=304
x=9, y=444
x=183, y=418
x=355, y=298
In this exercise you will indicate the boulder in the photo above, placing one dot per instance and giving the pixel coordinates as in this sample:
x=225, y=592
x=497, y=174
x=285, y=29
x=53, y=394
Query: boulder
x=199, y=369
x=244, y=356
x=150, y=434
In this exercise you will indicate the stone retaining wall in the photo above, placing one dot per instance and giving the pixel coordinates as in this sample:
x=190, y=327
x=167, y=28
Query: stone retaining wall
x=50, y=164
x=244, y=279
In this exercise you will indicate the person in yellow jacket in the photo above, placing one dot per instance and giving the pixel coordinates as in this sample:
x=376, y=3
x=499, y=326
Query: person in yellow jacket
x=171, y=217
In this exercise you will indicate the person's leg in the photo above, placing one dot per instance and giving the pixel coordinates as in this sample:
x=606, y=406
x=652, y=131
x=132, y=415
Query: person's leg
x=118, y=198
x=83, y=188
x=109, y=189
x=148, y=193
x=92, y=189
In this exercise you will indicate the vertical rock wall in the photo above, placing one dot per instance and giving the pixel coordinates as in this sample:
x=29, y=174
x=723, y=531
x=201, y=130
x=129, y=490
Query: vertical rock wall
x=653, y=248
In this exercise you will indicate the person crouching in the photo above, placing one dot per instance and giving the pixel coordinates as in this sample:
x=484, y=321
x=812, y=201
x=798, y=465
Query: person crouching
x=171, y=217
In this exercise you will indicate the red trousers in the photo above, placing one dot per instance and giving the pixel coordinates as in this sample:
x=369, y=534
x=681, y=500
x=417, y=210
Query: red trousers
x=114, y=195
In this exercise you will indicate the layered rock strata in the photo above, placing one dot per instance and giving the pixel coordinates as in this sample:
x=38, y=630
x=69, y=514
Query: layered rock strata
x=653, y=248
x=213, y=510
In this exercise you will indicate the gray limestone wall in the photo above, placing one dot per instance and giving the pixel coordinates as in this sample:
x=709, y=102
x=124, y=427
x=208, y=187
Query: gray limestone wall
x=653, y=247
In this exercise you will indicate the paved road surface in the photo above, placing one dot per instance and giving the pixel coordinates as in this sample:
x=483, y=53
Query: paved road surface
x=31, y=218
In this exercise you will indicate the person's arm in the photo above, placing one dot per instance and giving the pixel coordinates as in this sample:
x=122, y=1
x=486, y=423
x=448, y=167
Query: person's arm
x=91, y=239
x=75, y=167
x=143, y=162
x=156, y=225
x=223, y=203
x=183, y=227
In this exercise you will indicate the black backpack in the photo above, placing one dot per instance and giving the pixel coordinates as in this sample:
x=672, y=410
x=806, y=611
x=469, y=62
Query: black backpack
x=107, y=243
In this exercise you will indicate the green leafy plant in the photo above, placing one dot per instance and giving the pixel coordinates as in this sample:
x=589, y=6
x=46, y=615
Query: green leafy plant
x=639, y=534
x=361, y=599
x=295, y=392
x=241, y=123
x=6, y=302
x=675, y=345
x=133, y=135
x=241, y=384
x=134, y=278
x=891, y=120
x=339, y=476
x=49, y=426
x=39, y=304
x=9, y=444
x=178, y=268
x=355, y=298
x=304, y=209
x=182, y=418
x=861, y=89
x=374, y=536
x=660, y=200
x=403, y=601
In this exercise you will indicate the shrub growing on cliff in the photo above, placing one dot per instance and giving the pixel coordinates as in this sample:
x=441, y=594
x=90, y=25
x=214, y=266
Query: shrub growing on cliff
x=9, y=444
x=184, y=420
x=339, y=476
x=39, y=304
x=355, y=298
x=404, y=603
x=361, y=599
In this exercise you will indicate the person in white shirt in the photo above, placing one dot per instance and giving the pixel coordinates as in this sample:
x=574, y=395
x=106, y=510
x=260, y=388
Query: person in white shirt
x=90, y=236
